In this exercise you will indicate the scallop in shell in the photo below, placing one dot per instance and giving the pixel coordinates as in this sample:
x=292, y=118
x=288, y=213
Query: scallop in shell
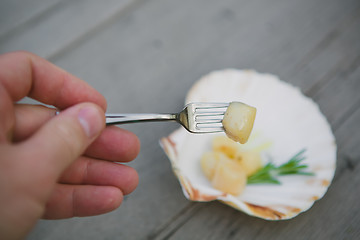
x=286, y=119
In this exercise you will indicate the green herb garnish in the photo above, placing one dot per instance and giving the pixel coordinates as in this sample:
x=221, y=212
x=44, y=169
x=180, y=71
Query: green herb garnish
x=269, y=172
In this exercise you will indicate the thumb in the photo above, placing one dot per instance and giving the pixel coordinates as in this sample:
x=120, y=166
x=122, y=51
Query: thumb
x=63, y=139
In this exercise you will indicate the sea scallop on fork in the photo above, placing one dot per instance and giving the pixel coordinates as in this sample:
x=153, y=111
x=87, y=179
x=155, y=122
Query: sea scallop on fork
x=286, y=118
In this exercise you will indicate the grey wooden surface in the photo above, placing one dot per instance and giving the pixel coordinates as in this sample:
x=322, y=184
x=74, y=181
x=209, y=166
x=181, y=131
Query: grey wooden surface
x=144, y=55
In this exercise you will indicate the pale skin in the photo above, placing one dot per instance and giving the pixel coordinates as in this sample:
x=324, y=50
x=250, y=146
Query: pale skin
x=60, y=166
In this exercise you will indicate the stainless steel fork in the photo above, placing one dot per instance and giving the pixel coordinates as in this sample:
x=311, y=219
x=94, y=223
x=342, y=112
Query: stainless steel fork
x=195, y=117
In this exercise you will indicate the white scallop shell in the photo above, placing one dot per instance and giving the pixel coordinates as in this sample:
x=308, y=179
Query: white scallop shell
x=287, y=118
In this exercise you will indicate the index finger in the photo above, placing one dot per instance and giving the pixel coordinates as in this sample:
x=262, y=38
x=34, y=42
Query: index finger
x=25, y=74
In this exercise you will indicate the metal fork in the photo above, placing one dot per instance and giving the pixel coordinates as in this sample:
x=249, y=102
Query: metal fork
x=195, y=117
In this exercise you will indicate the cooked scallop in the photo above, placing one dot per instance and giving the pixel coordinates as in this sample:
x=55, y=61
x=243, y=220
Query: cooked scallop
x=238, y=121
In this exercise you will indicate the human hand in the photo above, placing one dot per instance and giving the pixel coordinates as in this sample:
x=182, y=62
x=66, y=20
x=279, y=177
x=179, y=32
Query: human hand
x=56, y=166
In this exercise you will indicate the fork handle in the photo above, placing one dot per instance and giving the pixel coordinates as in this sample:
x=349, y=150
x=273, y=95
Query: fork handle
x=114, y=118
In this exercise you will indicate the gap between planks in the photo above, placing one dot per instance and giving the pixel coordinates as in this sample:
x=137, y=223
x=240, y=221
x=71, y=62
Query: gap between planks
x=34, y=19
x=328, y=39
x=176, y=222
x=95, y=30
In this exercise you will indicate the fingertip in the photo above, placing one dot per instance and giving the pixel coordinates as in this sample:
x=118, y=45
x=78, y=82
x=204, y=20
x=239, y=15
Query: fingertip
x=105, y=199
x=99, y=200
x=133, y=143
x=126, y=144
x=129, y=181
x=69, y=201
x=92, y=119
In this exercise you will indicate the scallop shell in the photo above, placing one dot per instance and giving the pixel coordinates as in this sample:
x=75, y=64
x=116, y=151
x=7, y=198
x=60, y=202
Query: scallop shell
x=286, y=118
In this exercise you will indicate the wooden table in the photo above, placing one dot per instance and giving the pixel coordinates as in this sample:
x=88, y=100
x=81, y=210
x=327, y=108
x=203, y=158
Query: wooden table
x=145, y=55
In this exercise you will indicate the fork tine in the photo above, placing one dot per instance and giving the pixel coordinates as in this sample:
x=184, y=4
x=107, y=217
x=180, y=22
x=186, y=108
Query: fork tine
x=205, y=105
x=208, y=122
x=209, y=113
x=208, y=116
x=204, y=113
x=203, y=117
x=208, y=129
x=217, y=124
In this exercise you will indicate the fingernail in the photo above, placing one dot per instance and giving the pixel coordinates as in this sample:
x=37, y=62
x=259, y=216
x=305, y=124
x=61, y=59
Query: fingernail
x=90, y=121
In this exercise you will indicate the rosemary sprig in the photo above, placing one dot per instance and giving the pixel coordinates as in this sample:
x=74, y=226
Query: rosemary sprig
x=269, y=172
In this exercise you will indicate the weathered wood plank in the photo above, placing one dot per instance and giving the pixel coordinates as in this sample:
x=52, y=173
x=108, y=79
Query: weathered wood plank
x=335, y=53
x=340, y=95
x=15, y=13
x=334, y=74
x=59, y=27
x=348, y=138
